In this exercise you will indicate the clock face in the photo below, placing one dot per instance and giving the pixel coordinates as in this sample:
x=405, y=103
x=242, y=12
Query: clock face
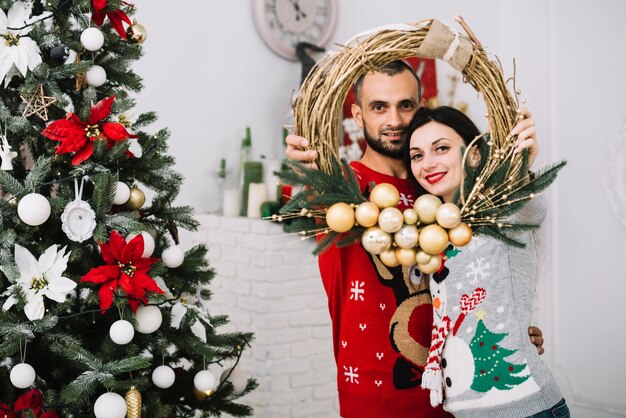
x=284, y=23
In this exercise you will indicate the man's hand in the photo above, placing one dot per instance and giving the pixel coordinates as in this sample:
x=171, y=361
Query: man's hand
x=296, y=150
x=536, y=337
x=526, y=136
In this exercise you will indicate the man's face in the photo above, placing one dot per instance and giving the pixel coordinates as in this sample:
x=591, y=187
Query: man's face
x=387, y=105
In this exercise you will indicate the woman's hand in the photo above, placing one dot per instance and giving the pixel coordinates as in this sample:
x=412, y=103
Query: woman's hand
x=526, y=136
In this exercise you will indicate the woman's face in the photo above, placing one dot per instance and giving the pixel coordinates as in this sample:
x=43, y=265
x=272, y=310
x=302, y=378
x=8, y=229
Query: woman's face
x=435, y=152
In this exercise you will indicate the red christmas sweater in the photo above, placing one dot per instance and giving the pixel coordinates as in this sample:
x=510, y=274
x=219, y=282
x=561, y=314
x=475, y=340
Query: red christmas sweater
x=381, y=320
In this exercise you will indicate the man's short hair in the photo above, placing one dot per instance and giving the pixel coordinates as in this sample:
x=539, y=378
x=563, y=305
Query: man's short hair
x=391, y=68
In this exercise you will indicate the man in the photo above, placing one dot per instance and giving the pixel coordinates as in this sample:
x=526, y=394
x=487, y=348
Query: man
x=381, y=317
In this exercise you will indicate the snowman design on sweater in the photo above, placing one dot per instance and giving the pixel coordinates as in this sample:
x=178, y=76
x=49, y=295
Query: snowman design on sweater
x=469, y=359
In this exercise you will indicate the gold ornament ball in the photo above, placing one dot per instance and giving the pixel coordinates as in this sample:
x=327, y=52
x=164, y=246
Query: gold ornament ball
x=426, y=206
x=448, y=215
x=136, y=33
x=390, y=220
x=422, y=257
x=375, y=240
x=432, y=266
x=340, y=217
x=389, y=258
x=407, y=236
x=366, y=214
x=410, y=216
x=406, y=256
x=433, y=239
x=460, y=235
x=136, y=199
x=385, y=195
x=201, y=395
x=133, y=403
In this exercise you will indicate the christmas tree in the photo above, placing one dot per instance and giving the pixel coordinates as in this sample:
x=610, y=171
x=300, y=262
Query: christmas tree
x=98, y=299
x=491, y=370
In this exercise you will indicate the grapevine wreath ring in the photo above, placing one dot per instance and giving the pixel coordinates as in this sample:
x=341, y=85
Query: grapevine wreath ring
x=490, y=193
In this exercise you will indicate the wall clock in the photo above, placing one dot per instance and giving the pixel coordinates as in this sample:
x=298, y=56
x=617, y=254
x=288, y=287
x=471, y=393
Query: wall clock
x=284, y=23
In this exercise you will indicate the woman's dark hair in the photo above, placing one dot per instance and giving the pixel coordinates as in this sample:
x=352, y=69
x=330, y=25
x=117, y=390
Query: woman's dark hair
x=445, y=115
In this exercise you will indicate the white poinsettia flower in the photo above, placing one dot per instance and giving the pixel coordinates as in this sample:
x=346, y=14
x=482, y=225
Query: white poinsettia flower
x=16, y=48
x=39, y=278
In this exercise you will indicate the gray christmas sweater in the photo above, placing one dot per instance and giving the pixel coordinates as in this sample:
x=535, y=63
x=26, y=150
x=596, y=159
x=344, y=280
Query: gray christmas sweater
x=481, y=355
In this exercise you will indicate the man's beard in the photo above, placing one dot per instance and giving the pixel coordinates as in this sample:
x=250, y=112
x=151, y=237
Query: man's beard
x=391, y=149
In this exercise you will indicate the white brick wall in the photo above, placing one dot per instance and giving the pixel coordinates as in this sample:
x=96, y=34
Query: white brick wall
x=268, y=283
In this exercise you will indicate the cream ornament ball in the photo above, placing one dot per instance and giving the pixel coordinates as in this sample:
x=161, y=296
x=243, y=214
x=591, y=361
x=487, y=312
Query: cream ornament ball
x=460, y=235
x=426, y=206
x=148, y=243
x=375, y=240
x=92, y=39
x=22, y=375
x=407, y=236
x=163, y=377
x=122, y=193
x=406, y=256
x=422, y=257
x=340, y=217
x=410, y=216
x=448, y=215
x=433, y=239
x=366, y=214
x=389, y=258
x=33, y=209
x=110, y=405
x=149, y=319
x=390, y=220
x=204, y=381
x=121, y=332
x=432, y=266
x=95, y=76
x=237, y=377
x=173, y=256
x=385, y=195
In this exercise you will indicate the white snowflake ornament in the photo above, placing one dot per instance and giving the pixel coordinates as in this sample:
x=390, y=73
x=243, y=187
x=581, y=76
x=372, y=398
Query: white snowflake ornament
x=39, y=278
x=17, y=50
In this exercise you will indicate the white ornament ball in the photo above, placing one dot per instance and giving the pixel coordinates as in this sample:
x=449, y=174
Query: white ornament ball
x=92, y=39
x=122, y=193
x=121, y=332
x=407, y=236
x=22, y=375
x=375, y=240
x=148, y=243
x=173, y=257
x=448, y=215
x=110, y=405
x=96, y=76
x=204, y=381
x=163, y=377
x=33, y=209
x=390, y=220
x=149, y=318
x=238, y=378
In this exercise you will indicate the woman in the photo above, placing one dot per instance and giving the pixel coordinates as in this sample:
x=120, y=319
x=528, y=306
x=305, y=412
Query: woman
x=482, y=299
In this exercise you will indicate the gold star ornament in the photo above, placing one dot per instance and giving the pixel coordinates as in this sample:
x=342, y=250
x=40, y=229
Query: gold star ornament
x=37, y=104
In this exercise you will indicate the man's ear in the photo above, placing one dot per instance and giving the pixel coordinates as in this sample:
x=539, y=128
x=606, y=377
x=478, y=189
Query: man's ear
x=357, y=114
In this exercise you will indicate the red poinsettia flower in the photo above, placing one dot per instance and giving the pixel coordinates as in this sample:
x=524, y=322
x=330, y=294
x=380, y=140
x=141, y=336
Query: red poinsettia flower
x=116, y=17
x=29, y=402
x=125, y=269
x=77, y=136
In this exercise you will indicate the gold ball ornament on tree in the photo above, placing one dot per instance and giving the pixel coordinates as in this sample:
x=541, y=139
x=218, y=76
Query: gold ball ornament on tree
x=448, y=215
x=426, y=206
x=136, y=199
x=375, y=240
x=407, y=236
x=340, y=217
x=385, y=195
x=136, y=33
x=406, y=256
x=389, y=259
x=410, y=216
x=432, y=266
x=133, y=403
x=422, y=257
x=390, y=220
x=433, y=239
x=460, y=235
x=366, y=214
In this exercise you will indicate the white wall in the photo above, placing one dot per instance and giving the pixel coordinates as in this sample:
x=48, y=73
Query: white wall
x=208, y=74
